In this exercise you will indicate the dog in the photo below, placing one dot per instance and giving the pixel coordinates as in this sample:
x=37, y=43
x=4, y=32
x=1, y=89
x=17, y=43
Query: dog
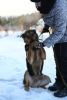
x=33, y=76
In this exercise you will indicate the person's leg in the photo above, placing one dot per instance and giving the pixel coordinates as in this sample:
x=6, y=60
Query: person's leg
x=57, y=61
x=63, y=57
x=58, y=81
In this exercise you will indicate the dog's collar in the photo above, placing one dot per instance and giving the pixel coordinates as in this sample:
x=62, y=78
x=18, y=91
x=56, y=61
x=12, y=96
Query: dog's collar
x=34, y=49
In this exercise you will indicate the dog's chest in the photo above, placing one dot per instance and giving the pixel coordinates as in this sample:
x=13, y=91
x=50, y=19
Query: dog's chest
x=37, y=58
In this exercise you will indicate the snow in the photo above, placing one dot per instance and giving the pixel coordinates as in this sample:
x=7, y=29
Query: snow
x=13, y=67
x=40, y=22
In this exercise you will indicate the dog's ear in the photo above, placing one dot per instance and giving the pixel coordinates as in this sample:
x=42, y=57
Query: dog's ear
x=23, y=35
x=34, y=31
x=42, y=54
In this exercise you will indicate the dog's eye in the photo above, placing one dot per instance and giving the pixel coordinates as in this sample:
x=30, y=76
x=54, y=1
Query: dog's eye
x=27, y=36
x=32, y=34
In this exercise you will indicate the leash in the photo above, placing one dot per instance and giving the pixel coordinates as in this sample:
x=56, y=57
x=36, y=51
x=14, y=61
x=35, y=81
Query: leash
x=40, y=35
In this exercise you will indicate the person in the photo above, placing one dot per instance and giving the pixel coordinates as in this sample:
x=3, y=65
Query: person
x=55, y=15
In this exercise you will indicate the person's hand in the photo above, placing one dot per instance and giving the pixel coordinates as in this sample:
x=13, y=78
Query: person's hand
x=40, y=45
x=45, y=29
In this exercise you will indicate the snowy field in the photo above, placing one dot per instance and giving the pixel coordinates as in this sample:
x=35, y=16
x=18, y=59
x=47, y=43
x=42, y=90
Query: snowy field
x=13, y=67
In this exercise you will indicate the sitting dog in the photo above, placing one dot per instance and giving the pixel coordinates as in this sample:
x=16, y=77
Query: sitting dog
x=33, y=77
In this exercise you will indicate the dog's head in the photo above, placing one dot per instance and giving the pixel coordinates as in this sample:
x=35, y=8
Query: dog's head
x=29, y=36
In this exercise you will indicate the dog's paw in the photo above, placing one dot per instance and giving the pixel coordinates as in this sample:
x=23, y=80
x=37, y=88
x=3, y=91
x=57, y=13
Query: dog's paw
x=26, y=88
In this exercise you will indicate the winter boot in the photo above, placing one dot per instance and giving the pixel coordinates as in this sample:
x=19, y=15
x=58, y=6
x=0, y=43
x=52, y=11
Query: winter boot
x=61, y=93
x=56, y=86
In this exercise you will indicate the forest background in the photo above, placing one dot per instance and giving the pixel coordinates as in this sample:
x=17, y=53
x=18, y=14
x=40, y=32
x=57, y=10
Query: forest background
x=22, y=22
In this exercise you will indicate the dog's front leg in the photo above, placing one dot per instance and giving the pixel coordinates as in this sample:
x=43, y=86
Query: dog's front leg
x=26, y=88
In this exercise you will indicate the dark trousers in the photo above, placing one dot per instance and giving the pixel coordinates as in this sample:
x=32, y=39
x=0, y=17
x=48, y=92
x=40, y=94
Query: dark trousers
x=60, y=54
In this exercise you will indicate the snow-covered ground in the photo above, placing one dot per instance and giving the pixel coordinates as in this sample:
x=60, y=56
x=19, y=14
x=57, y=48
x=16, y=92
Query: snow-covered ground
x=13, y=67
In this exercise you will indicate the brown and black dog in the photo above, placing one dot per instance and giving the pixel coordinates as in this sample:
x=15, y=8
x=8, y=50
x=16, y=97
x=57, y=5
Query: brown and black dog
x=33, y=77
